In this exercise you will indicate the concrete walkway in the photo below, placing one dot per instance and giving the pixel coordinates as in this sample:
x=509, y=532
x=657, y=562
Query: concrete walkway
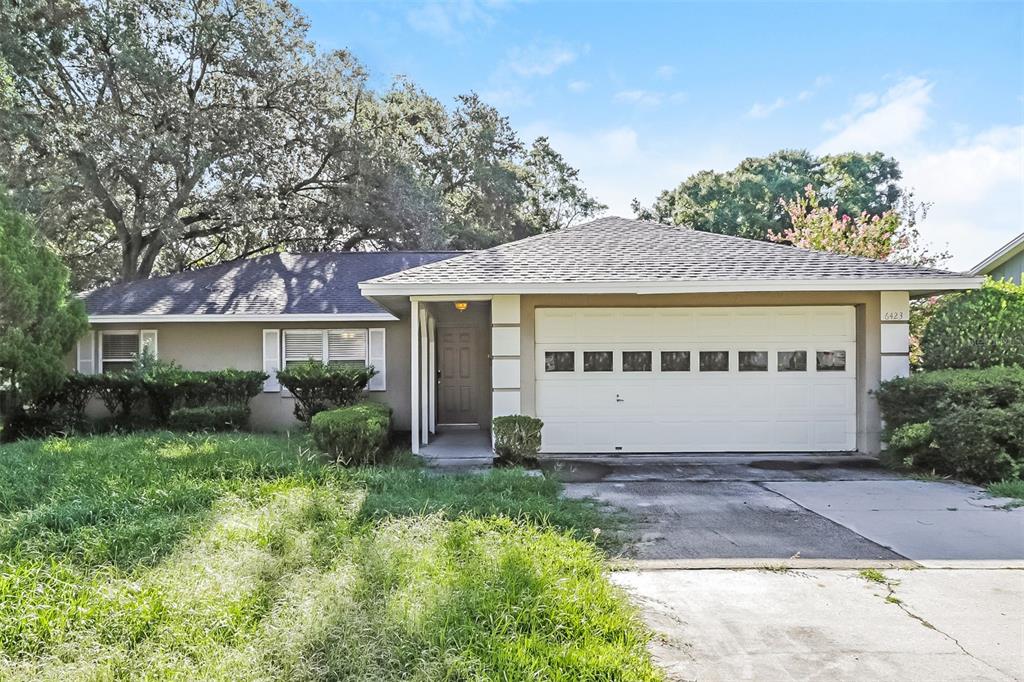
x=458, y=448
x=934, y=625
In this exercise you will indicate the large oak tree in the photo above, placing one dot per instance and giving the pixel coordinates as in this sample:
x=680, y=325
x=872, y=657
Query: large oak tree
x=156, y=135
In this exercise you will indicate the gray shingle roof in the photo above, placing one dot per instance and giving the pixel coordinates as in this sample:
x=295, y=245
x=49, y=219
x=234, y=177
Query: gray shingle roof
x=620, y=250
x=284, y=283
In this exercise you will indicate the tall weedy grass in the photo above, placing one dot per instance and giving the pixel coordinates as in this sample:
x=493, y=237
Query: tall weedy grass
x=241, y=557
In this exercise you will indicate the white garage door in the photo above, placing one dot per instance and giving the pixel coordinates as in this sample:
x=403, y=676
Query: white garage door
x=761, y=379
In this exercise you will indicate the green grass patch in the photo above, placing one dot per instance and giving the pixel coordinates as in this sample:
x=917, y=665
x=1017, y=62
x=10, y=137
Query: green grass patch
x=1013, y=488
x=247, y=557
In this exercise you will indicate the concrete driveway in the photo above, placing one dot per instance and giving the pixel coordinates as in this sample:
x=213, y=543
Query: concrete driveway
x=803, y=511
x=781, y=542
x=834, y=625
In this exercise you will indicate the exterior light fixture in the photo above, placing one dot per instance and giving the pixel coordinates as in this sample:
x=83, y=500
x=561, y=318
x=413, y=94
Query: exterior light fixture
x=461, y=306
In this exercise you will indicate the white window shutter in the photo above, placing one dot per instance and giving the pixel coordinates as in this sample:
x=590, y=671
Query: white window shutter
x=376, y=357
x=87, y=353
x=271, y=359
x=147, y=341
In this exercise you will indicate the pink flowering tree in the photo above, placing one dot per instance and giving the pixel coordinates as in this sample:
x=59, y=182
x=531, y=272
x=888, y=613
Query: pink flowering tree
x=891, y=236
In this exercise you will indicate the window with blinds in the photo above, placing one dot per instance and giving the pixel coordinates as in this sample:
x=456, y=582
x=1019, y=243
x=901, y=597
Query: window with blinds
x=334, y=346
x=346, y=347
x=119, y=350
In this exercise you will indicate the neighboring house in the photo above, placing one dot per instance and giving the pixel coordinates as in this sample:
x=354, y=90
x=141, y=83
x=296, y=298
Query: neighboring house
x=1006, y=263
x=623, y=336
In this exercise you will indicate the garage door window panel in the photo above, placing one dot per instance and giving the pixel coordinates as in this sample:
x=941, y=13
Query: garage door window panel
x=559, y=361
x=675, y=361
x=636, y=361
x=831, y=361
x=753, y=361
x=598, y=361
x=714, y=361
x=792, y=361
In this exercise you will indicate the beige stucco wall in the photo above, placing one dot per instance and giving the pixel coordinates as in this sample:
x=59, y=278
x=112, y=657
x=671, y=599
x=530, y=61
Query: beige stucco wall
x=239, y=345
x=867, y=305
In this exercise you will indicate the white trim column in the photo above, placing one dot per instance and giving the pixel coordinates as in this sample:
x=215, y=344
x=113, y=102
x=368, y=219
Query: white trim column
x=506, y=335
x=424, y=378
x=414, y=372
x=895, y=334
x=432, y=374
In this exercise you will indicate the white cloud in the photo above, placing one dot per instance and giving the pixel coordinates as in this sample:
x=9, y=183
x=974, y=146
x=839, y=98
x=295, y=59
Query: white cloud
x=507, y=98
x=448, y=20
x=975, y=184
x=665, y=72
x=882, y=122
x=764, y=110
x=578, y=86
x=618, y=164
x=644, y=98
x=976, y=188
x=538, y=60
x=649, y=98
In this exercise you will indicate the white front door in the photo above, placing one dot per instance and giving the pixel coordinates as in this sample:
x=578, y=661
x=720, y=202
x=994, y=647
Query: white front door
x=751, y=379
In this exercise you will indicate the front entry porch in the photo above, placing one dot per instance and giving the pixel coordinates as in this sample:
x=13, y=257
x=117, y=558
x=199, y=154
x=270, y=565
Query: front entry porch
x=458, y=447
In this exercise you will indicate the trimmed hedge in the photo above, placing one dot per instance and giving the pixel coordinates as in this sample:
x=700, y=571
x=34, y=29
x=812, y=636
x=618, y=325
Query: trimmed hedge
x=963, y=423
x=517, y=438
x=144, y=396
x=210, y=418
x=976, y=329
x=353, y=435
x=318, y=387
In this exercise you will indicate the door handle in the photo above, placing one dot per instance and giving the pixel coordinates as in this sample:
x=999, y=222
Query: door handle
x=618, y=398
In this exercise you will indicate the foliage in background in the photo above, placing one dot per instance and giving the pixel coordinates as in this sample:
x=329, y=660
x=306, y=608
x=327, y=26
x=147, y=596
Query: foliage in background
x=744, y=201
x=881, y=237
x=517, y=437
x=976, y=329
x=961, y=422
x=355, y=435
x=152, y=136
x=240, y=557
x=39, y=319
x=317, y=386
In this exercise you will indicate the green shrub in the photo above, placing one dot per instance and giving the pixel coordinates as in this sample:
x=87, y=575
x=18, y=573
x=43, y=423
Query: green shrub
x=70, y=397
x=353, y=435
x=976, y=329
x=121, y=392
x=231, y=386
x=963, y=423
x=317, y=387
x=21, y=424
x=921, y=396
x=516, y=437
x=165, y=384
x=209, y=418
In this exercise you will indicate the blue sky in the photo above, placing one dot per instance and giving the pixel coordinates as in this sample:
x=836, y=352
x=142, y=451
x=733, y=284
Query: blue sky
x=638, y=96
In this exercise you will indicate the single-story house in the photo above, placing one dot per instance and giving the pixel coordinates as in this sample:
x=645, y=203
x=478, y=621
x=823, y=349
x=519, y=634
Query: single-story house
x=1006, y=263
x=622, y=336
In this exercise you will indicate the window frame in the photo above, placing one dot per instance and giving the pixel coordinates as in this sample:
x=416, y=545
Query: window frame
x=137, y=333
x=325, y=352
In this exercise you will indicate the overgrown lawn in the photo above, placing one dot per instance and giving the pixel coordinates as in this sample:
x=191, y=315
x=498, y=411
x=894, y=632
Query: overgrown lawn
x=242, y=557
